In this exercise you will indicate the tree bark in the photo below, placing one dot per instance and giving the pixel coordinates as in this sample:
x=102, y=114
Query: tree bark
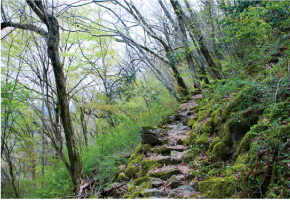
x=84, y=125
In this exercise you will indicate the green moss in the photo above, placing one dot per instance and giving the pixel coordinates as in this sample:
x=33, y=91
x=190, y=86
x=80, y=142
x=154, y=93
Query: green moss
x=253, y=70
x=192, y=174
x=121, y=177
x=191, y=138
x=160, y=150
x=213, y=143
x=131, y=170
x=245, y=143
x=234, y=103
x=233, y=169
x=146, y=147
x=138, y=192
x=136, y=153
x=215, y=117
x=280, y=110
x=148, y=165
x=223, y=148
x=116, y=173
x=213, y=173
x=208, y=106
x=202, y=115
x=217, y=187
x=133, y=167
x=206, y=131
x=243, y=158
x=131, y=188
x=140, y=180
x=192, y=121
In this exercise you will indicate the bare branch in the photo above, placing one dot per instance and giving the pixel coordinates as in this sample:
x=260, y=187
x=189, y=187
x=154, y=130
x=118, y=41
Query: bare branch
x=30, y=27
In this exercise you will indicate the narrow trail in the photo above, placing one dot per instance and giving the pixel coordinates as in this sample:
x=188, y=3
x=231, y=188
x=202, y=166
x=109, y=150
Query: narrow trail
x=169, y=179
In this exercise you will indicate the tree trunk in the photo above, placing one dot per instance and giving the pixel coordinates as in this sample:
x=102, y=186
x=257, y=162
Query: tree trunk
x=53, y=53
x=182, y=33
x=193, y=30
x=84, y=126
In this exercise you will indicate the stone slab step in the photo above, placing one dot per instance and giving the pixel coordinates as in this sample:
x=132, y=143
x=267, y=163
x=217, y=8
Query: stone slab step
x=153, y=193
x=165, y=172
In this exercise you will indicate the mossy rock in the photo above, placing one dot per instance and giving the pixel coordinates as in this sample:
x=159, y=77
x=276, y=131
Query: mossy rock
x=133, y=167
x=242, y=124
x=243, y=159
x=206, y=131
x=234, y=169
x=121, y=177
x=253, y=70
x=141, y=180
x=131, y=188
x=146, y=147
x=192, y=121
x=160, y=150
x=148, y=165
x=226, y=114
x=217, y=187
x=189, y=140
x=208, y=106
x=131, y=170
x=215, y=117
x=138, y=192
x=165, y=174
x=223, y=149
x=213, y=143
x=136, y=153
x=116, y=174
x=202, y=115
x=280, y=110
x=213, y=172
x=245, y=143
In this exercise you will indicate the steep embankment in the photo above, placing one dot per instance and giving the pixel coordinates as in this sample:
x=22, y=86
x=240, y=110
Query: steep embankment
x=214, y=148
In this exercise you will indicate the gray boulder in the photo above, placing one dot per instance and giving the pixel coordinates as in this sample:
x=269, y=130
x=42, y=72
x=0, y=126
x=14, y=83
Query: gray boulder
x=174, y=182
x=153, y=193
x=156, y=182
x=152, y=135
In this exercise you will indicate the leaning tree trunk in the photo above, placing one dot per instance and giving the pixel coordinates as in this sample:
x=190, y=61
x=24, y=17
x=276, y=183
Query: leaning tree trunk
x=53, y=53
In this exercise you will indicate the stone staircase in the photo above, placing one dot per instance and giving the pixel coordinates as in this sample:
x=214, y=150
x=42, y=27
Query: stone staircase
x=157, y=169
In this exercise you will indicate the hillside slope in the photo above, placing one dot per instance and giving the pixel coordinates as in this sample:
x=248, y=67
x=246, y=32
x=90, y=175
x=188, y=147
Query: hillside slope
x=231, y=145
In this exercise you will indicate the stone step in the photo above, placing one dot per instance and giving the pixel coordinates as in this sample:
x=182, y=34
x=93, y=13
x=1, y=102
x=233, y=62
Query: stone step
x=159, y=158
x=165, y=149
x=165, y=172
x=153, y=193
x=177, y=157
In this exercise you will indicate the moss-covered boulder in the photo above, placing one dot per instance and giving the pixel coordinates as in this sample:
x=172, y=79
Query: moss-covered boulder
x=217, y=187
x=222, y=149
x=206, y=131
x=164, y=173
x=121, y=177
